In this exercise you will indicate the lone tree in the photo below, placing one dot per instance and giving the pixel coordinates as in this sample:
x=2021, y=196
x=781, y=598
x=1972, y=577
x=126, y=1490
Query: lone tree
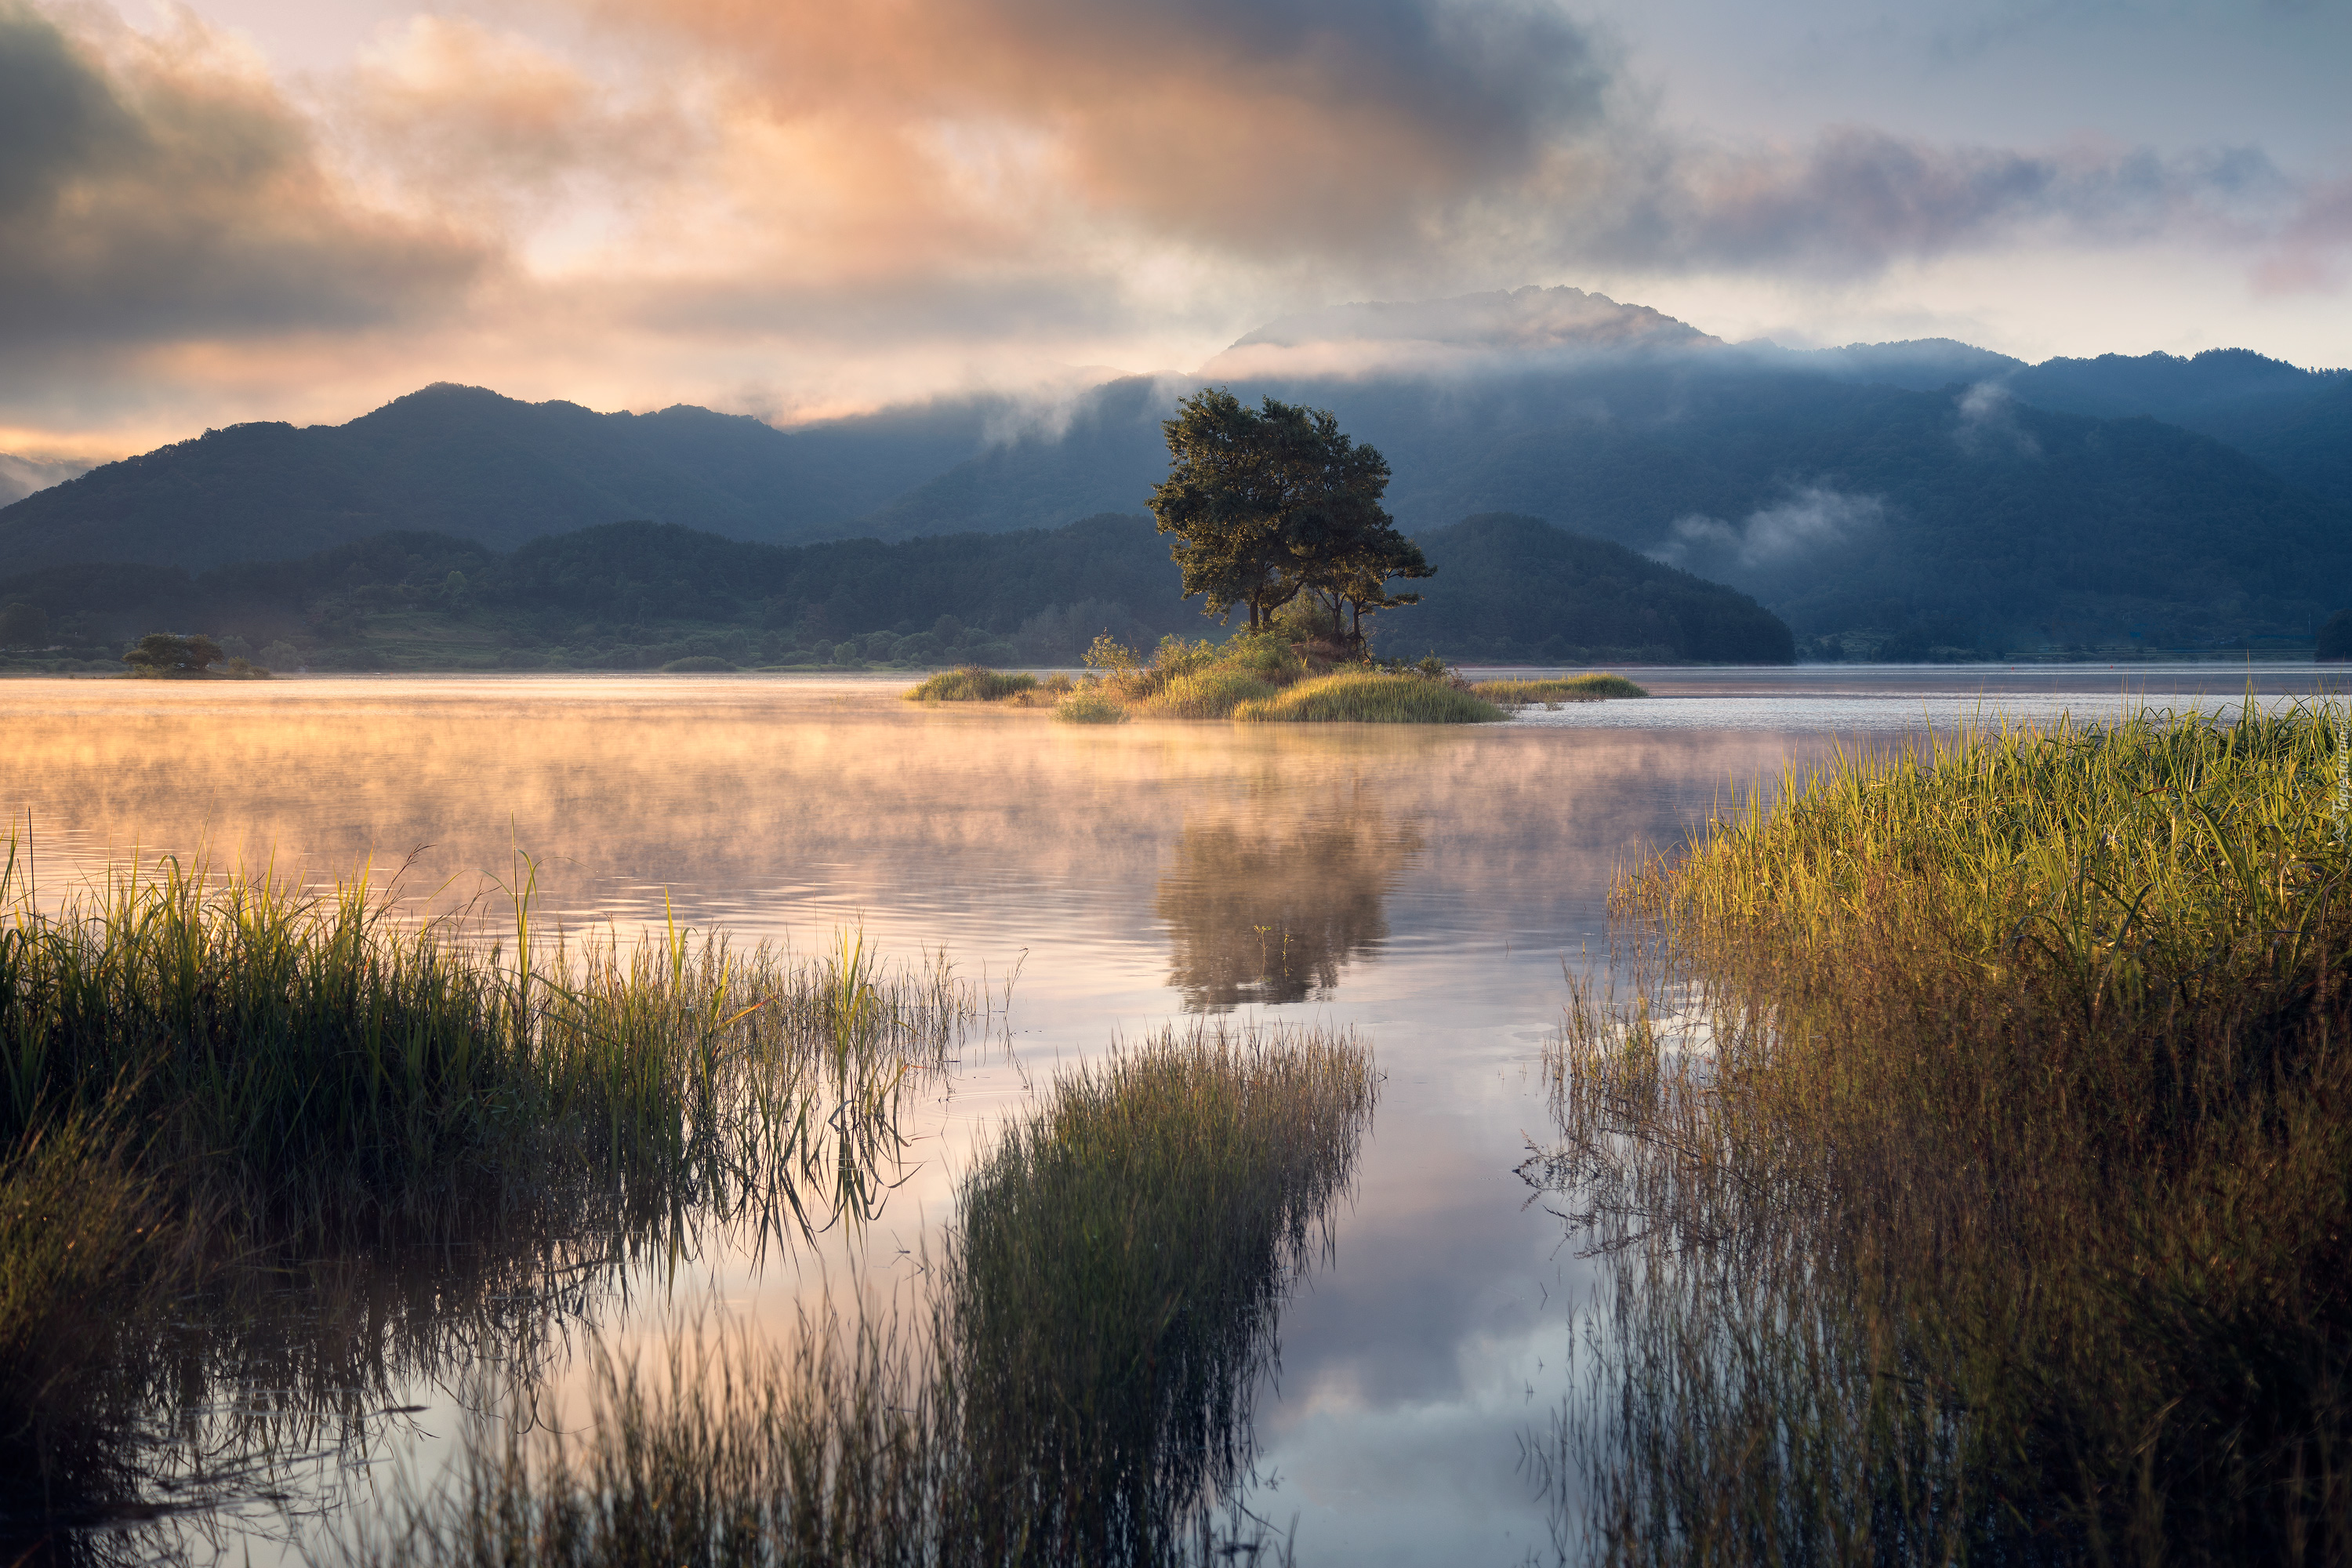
x=160, y=653
x=1273, y=502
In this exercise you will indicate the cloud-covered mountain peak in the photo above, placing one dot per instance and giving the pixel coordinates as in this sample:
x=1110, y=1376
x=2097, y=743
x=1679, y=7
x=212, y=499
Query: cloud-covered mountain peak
x=1517, y=320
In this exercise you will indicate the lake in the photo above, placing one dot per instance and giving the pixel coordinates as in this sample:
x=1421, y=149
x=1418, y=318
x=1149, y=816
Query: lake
x=1425, y=886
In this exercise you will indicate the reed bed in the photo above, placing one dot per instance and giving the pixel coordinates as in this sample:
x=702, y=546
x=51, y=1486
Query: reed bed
x=1594, y=688
x=313, y=1051
x=1363, y=697
x=1074, y=1388
x=1976, y=1158
x=972, y=683
x=211, y=1084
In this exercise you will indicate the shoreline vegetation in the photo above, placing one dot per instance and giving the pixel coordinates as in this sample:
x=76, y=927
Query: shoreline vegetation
x=1296, y=669
x=226, y=1103
x=1552, y=692
x=1072, y=1382
x=1973, y=1163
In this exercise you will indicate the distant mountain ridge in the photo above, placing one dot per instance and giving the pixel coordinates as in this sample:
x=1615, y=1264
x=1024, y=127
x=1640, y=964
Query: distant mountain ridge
x=467, y=461
x=1922, y=493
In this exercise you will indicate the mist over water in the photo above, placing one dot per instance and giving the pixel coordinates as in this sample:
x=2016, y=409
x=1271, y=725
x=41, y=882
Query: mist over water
x=1425, y=886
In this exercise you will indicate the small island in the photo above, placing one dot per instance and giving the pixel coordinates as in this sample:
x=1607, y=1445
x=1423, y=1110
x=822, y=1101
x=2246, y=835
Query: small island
x=162, y=656
x=1275, y=511
x=1291, y=670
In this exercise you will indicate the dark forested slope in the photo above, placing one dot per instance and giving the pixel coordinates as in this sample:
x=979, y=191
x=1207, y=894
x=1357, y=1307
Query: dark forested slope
x=1514, y=589
x=2297, y=423
x=634, y=596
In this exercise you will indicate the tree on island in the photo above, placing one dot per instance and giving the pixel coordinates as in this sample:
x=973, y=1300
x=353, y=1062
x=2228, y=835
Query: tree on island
x=1270, y=503
x=160, y=653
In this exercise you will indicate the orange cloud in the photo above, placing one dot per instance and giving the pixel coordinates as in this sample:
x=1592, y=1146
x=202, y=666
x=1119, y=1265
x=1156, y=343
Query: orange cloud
x=159, y=188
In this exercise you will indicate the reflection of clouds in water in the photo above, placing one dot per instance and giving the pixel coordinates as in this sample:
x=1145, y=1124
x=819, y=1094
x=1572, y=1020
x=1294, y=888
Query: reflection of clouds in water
x=1270, y=913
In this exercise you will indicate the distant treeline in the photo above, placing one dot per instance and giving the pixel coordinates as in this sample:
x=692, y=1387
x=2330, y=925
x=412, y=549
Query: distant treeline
x=639, y=595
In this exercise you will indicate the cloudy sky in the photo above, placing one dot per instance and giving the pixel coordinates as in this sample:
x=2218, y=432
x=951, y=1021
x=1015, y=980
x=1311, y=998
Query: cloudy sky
x=296, y=209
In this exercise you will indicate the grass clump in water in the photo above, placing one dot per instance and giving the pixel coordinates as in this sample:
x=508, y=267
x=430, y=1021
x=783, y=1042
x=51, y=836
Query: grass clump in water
x=205, y=1081
x=972, y=683
x=313, y=1054
x=1074, y=1389
x=1089, y=704
x=1979, y=1162
x=1370, y=698
x=1112, y=1295
x=1566, y=689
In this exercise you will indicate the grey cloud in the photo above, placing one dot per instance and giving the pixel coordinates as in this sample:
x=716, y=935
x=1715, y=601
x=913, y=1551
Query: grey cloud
x=1399, y=142
x=148, y=193
x=1858, y=201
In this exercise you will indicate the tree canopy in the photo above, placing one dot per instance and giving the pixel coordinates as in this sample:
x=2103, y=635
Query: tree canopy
x=160, y=653
x=1273, y=502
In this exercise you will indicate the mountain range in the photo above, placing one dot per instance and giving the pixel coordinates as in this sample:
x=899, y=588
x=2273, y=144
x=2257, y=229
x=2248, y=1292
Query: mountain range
x=1875, y=495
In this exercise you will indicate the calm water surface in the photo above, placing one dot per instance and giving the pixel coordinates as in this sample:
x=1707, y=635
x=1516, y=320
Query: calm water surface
x=1425, y=886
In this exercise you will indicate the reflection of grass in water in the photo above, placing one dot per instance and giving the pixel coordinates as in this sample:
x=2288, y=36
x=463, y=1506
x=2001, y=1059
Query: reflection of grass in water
x=1994, y=1201
x=973, y=683
x=1565, y=689
x=1080, y=1393
x=260, y=1083
x=1357, y=698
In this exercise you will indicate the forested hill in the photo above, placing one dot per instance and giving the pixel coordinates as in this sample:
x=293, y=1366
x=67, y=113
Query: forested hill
x=638, y=595
x=2296, y=423
x=466, y=461
x=1877, y=497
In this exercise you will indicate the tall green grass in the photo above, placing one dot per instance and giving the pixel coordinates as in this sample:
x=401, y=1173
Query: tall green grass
x=214, y=1086
x=1089, y=704
x=972, y=683
x=1367, y=698
x=1976, y=1156
x=1203, y=694
x=313, y=1051
x=1112, y=1296
x=1566, y=689
x=1075, y=1387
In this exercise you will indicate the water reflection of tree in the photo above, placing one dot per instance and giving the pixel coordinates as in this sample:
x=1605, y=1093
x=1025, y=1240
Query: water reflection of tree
x=1261, y=913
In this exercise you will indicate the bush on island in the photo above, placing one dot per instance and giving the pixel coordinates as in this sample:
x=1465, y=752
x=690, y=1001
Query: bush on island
x=1570, y=688
x=1089, y=705
x=972, y=683
x=1367, y=698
